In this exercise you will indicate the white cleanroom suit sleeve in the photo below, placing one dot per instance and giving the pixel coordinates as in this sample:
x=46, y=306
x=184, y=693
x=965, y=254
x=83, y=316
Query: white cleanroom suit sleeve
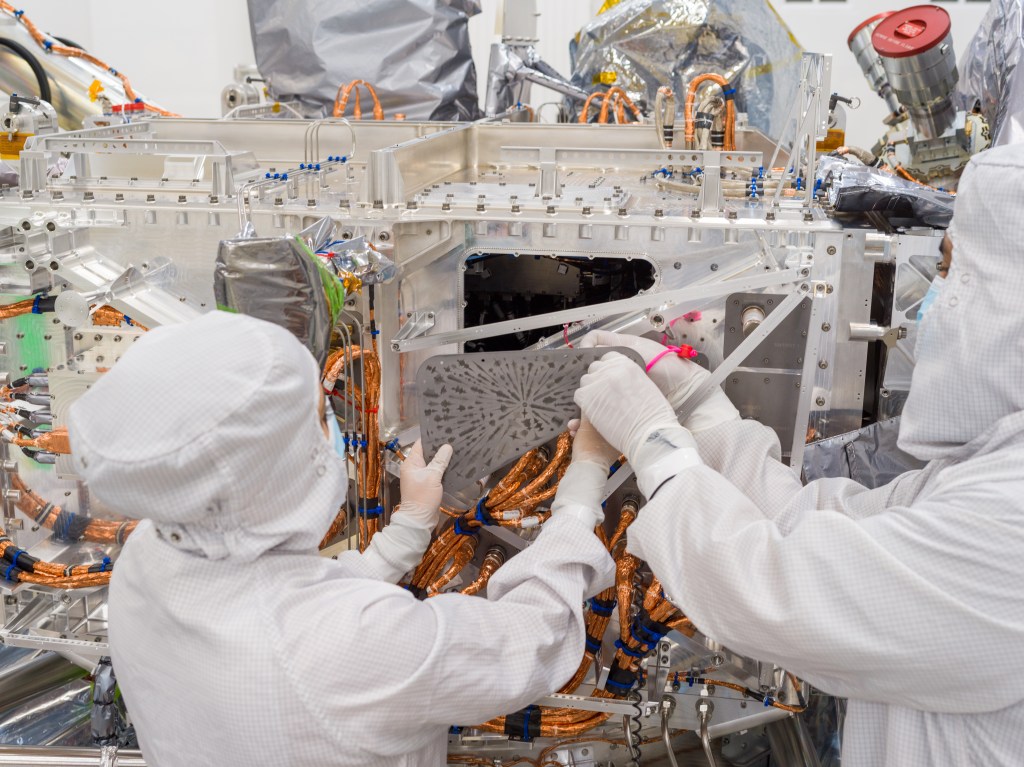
x=459, y=660
x=392, y=552
x=748, y=455
x=918, y=607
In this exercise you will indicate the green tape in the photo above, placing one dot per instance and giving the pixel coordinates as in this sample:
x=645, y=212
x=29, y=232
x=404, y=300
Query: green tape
x=333, y=288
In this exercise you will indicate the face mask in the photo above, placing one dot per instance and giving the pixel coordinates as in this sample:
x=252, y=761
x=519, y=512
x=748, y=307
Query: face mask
x=930, y=296
x=336, y=439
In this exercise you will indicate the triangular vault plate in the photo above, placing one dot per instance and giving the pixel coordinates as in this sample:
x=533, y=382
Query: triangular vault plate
x=494, y=406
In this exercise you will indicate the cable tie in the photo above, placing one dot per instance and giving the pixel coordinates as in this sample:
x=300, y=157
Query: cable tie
x=302, y=166
x=7, y=573
x=392, y=445
x=35, y=304
x=374, y=333
x=768, y=702
x=19, y=14
x=592, y=645
x=628, y=650
x=376, y=511
x=620, y=685
x=105, y=565
x=459, y=528
x=17, y=554
x=685, y=351
x=482, y=515
x=729, y=93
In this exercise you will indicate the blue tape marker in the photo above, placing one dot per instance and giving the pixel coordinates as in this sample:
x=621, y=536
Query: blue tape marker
x=457, y=527
x=628, y=650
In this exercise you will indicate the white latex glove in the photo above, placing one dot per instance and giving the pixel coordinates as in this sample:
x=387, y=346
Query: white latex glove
x=581, y=488
x=630, y=412
x=421, y=486
x=589, y=446
x=677, y=379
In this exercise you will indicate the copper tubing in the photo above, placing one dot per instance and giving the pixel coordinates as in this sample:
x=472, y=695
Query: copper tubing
x=730, y=111
x=585, y=112
x=345, y=92
x=97, y=531
x=17, y=309
x=493, y=559
x=368, y=480
x=108, y=316
x=625, y=570
x=55, y=441
x=463, y=555
x=616, y=91
x=518, y=474
x=60, y=576
x=627, y=514
x=563, y=445
x=78, y=53
x=652, y=597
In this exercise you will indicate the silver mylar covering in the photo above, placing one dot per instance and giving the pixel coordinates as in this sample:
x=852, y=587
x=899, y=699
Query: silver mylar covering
x=360, y=258
x=856, y=188
x=274, y=279
x=651, y=43
x=988, y=71
x=416, y=53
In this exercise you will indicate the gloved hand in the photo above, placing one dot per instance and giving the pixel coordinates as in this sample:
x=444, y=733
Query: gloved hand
x=589, y=446
x=421, y=486
x=581, y=488
x=629, y=411
x=677, y=379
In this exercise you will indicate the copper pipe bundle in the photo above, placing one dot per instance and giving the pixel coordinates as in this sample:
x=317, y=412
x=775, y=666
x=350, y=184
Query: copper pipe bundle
x=108, y=316
x=730, y=111
x=345, y=92
x=96, y=531
x=615, y=98
x=17, y=309
x=54, y=441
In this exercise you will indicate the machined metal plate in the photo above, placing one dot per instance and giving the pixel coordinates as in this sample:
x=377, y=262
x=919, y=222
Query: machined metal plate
x=495, y=406
x=784, y=348
x=770, y=397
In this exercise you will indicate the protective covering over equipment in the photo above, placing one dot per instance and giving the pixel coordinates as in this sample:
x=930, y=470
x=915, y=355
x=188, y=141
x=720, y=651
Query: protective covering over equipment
x=988, y=71
x=213, y=597
x=866, y=593
x=856, y=188
x=415, y=52
x=641, y=45
x=869, y=456
x=277, y=279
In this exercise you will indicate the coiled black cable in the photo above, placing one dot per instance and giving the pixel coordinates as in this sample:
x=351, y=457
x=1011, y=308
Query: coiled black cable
x=42, y=81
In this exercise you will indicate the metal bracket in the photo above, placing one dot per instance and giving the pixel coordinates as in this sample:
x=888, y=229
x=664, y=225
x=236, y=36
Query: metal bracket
x=415, y=325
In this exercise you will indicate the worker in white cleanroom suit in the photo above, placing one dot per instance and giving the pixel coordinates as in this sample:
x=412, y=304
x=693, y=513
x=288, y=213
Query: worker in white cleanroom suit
x=233, y=641
x=907, y=599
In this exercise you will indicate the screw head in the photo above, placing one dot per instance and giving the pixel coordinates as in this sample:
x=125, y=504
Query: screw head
x=820, y=402
x=831, y=250
x=825, y=327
